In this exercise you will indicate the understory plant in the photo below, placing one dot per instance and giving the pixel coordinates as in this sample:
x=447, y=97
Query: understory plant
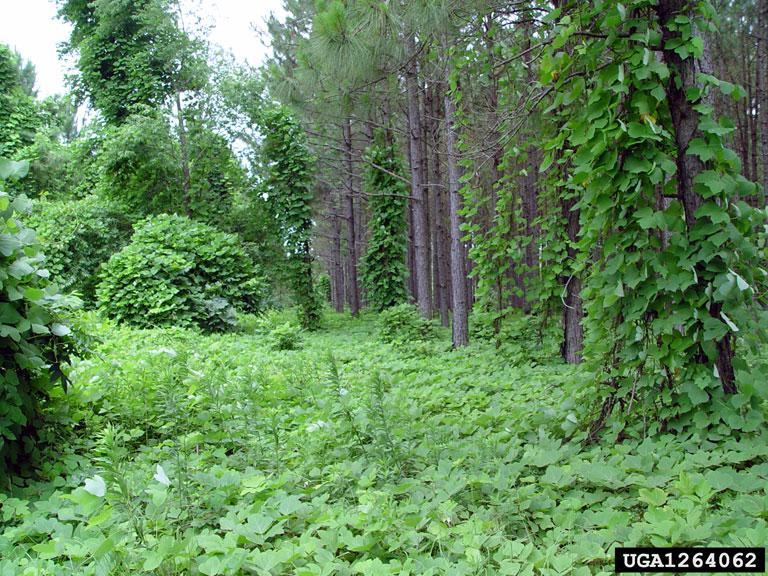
x=78, y=236
x=402, y=324
x=35, y=339
x=176, y=271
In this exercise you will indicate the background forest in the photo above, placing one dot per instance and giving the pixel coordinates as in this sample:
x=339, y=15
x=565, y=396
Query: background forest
x=443, y=287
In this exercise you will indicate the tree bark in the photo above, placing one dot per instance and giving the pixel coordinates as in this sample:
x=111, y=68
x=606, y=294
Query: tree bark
x=440, y=266
x=337, y=271
x=420, y=233
x=428, y=192
x=460, y=327
x=685, y=121
x=353, y=290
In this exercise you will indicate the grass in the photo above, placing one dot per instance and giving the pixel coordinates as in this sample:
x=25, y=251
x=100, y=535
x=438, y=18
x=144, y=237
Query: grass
x=179, y=453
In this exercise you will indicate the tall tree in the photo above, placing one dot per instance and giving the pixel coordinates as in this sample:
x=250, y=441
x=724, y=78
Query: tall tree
x=460, y=327
x=353, y=295
x=419, y=202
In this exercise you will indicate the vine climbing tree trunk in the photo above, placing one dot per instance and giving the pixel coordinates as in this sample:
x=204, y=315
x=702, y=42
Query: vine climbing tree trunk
x=762, y=87
x=685, y=120
x=573, y=312
x=353, y=290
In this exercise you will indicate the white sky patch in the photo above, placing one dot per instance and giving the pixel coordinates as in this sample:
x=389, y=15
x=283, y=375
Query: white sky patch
x=32, y=28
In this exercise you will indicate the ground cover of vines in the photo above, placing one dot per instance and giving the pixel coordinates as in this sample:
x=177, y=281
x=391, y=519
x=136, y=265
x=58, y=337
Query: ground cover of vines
x=361, y=452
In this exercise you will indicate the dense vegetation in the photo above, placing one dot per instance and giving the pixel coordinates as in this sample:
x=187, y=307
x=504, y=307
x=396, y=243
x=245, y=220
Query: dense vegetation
x=442, y=287
x=192, y=454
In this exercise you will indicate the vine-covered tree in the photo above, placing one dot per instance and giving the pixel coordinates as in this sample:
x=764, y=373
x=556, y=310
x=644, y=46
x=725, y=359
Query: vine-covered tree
x=287, y=165
x=384, y=263
x=129, y=54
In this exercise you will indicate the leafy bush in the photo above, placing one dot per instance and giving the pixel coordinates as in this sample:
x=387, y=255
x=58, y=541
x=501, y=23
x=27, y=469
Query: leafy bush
x=35, y=343
x=180, y=272
x=522, y=339
x=402, y=324
x=266, y=321
x=78, y=236
x=248, y=323
x=285, y=336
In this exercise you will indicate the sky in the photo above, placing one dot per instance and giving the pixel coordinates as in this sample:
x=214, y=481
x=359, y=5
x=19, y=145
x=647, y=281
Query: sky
x=31, y=27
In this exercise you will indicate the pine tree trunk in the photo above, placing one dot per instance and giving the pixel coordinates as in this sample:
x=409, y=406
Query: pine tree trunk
x=427, y=191
x=751, y=89
x=337, y=272
x=458, y=274
x=686, y=124
x=409, y=255
x=353, y=290
x=420, y=233
x=440, y=266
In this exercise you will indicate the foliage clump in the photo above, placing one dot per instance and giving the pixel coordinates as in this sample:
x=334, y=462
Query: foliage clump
x=285, y=336
x=138, y=163
x=78, y=236
x=384, y=268
x=402, y=324
x=34, y=340
x=176, y=271
x=19, y=117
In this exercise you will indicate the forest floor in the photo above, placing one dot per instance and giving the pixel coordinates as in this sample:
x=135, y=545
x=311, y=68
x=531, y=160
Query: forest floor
x=192, y=454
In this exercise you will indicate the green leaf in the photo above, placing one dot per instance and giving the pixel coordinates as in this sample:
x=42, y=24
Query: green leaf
x=211, y=566
x=710, y=183
x=12, y=169
x=695, y=393
x=60, y=329
x=710, y=126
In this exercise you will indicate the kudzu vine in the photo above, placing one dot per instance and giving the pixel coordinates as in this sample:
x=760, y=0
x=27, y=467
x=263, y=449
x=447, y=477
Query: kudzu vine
x=287, y=184
x=384, y=269
x=672, y=289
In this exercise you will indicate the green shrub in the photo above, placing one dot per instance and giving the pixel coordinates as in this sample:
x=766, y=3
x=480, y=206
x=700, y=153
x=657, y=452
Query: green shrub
x=180, y=272
x=403, y=324
x=34, y=341
x=248, y=323
x=285, y=336
x=521, y=339
x=78, y=236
